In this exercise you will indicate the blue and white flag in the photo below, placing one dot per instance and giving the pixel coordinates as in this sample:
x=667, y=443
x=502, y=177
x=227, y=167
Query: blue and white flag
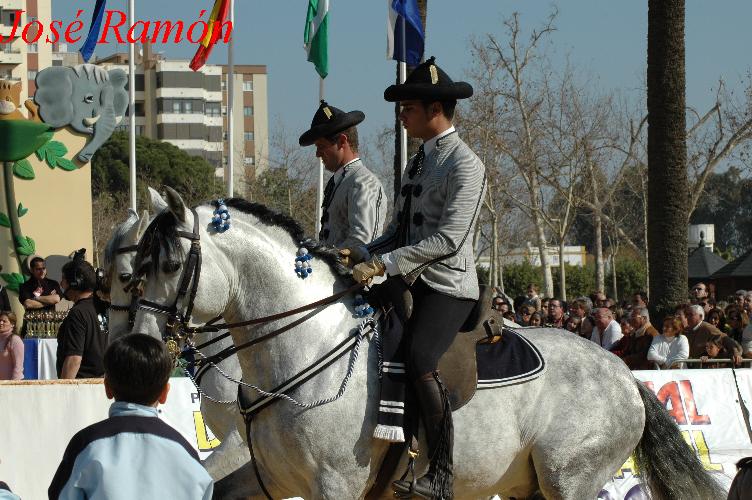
x=405, y=36
x=87, y=49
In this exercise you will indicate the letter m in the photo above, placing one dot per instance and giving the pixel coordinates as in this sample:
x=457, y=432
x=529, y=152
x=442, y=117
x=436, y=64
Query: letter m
x=168, y=26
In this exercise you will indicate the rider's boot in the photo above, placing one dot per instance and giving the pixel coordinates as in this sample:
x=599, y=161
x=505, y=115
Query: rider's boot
x=437, y=420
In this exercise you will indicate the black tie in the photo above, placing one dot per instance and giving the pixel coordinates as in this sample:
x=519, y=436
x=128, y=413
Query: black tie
x=417, y=166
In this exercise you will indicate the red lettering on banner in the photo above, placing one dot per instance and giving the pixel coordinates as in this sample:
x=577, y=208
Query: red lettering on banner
x=669, y=393
x=109, y=26
x=690, y=405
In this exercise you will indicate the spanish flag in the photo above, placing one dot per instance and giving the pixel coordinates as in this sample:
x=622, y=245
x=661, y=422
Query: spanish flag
x=213, y=33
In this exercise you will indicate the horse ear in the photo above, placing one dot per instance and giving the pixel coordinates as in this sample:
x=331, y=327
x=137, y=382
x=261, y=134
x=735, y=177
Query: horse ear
x=157, y=202
x=143, y=223
x=175, y=204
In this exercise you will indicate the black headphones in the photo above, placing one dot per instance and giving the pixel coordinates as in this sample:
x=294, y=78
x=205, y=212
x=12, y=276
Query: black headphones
x=73, y=271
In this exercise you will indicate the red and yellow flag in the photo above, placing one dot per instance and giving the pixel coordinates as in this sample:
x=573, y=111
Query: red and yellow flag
x=213, y=33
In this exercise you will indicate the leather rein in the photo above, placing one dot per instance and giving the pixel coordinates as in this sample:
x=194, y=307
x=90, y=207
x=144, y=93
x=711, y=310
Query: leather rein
x=177, y=331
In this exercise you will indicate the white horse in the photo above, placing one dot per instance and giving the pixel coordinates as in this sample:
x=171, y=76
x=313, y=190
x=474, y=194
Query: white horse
x=221, y=418
x=565, y=433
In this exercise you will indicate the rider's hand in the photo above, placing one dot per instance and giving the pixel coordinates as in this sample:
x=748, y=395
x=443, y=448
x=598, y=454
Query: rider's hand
x=353, y=255
x=364, y=272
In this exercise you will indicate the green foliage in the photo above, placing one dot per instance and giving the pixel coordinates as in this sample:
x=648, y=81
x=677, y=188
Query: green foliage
x=12, y=281
x=158, y=164
x=25, y=245
x=23, y=169
x=21, y=210
x=4, y=220
x=278, y=191
x=630, y=278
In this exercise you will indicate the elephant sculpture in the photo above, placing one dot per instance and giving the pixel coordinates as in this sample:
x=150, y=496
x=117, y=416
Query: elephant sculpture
x=89, y=98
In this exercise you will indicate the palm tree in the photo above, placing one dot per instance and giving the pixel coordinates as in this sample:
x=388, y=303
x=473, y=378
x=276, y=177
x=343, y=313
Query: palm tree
x=667, y=155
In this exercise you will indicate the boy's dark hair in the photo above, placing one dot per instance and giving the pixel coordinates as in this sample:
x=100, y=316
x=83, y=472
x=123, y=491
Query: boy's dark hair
x=137, y=367
x=352, y=137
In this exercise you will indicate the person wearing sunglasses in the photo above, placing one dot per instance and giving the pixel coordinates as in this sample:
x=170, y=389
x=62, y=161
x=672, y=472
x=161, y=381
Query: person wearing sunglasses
x=699, y=293
x=39, y=293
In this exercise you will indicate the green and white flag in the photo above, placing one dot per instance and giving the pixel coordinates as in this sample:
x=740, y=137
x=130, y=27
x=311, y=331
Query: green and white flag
x=315, y=37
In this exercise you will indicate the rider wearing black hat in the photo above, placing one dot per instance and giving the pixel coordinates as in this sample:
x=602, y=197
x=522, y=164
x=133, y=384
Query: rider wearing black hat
x=354, y=206
x=429, y=245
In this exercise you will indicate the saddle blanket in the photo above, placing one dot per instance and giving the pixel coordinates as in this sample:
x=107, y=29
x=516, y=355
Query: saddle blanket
x=512, y=360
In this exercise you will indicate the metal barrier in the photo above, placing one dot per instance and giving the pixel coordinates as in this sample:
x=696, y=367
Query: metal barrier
x=698, y=361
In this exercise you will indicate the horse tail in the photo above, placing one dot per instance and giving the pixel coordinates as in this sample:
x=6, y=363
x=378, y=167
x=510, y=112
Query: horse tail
x=669, y=467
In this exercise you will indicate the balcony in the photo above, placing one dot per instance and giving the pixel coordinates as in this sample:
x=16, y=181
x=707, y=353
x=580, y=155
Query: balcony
x=12, y=56
x=13, y=4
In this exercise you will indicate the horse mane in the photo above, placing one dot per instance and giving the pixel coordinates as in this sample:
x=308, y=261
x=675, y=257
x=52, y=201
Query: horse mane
x=110, y=250
x=162, y=234
x=269, y=217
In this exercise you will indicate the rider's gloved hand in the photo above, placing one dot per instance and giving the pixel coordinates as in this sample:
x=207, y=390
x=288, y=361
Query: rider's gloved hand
x=353, y=255
x=364, y=272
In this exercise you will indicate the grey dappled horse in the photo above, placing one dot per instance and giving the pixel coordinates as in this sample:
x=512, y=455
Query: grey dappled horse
x=118, y=258
x=565, y=433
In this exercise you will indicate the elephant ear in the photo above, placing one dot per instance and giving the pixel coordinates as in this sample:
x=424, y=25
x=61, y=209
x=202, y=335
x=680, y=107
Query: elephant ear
x=118, y=81
x=54, y=96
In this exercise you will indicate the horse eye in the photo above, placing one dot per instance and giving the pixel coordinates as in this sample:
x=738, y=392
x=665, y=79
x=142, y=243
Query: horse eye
x=170, y=266
x=89, y=98
x=125, y=277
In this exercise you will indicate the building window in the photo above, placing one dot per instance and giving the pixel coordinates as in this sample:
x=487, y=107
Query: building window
x=187, y=107
x=247, y=110
x=248, y=160
x=248, y=136
x=224, y=84
x=33, y=48
x=31, y=75
x=224, y=110
x=248, y=86
x=212, y=109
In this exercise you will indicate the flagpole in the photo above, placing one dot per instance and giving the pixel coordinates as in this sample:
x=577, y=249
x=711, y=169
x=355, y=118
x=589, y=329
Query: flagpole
x=320, y=190
x=402, y=78
x=132, y=108
x=230, y=106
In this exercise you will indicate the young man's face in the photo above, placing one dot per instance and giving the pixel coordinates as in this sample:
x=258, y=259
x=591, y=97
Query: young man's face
x=414, y=118
x=39, y=269
x=700, y=291
x=329, y=152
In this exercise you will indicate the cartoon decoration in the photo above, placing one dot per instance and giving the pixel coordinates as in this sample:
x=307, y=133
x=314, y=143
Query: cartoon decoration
x=86, y=97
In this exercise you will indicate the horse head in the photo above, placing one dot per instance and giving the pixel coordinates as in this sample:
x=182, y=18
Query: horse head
x=118, y=257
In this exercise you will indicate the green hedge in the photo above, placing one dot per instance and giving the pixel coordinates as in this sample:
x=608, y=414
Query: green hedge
x=630, y=277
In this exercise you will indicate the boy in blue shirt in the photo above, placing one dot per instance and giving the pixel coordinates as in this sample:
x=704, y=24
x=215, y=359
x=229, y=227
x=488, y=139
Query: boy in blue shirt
x=132, y=454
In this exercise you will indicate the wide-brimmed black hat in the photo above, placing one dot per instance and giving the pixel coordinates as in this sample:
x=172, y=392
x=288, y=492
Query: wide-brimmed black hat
x=328, y=121
x=428, y=82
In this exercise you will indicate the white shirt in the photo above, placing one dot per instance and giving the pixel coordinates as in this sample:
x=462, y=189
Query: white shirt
x=611, y=335
x=667, y=351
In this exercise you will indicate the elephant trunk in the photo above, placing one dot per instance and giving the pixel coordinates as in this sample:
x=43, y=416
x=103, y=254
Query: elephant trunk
x=103, y=128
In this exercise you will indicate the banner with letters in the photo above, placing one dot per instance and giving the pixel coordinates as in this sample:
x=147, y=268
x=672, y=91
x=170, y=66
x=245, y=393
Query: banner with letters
x=705, y=405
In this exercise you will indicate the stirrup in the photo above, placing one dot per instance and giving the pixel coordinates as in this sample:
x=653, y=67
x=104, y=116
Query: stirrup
x=403, y=488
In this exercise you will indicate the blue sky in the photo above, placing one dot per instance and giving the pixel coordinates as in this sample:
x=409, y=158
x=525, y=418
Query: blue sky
x=604, y=38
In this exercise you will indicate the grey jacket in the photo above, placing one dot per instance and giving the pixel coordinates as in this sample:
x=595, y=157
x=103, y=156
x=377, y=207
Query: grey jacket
x=448, y=193
x=356, y=212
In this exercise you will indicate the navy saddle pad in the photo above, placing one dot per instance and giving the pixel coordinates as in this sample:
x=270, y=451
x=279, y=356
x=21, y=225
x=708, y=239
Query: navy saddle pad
x=512, y=360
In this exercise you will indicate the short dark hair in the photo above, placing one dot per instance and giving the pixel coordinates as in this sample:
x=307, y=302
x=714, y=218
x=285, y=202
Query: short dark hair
x=643, y=294
x=34, y=261
x=351, y=134
x=80, y=271
x=137, y=367
x=447, y=107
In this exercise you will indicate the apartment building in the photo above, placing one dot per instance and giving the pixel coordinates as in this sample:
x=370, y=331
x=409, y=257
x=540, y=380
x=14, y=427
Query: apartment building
x=189, y=109
x=20, y=61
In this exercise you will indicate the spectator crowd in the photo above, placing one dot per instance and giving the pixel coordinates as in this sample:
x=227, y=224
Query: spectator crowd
x=702, y=328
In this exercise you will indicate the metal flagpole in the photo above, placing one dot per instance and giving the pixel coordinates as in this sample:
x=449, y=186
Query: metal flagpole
x=230, y=105
x=132, y=108
x=402, y=78
x=320, y=190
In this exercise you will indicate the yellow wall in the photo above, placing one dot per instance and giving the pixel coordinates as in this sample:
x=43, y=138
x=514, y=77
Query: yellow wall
x=59, y=218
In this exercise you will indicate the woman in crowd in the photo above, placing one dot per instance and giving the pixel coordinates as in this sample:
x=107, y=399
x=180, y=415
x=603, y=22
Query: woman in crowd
x=717, y=318
x=626, y=327
x=536, y=319
x=714, y=349
x=573, y=324
x=737, y=322
x=669, y=349
x=11, y=348
x=523, y=318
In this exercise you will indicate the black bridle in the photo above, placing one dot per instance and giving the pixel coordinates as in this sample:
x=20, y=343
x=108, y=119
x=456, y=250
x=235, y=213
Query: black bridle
x=131, y=308
x=175, y=332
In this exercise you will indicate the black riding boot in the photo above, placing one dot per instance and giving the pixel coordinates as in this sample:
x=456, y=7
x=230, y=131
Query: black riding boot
x=437, y=420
